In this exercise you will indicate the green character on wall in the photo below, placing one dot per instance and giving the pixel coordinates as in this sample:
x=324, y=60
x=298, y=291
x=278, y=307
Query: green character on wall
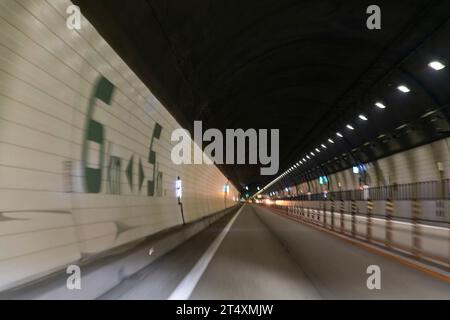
x=95, y=132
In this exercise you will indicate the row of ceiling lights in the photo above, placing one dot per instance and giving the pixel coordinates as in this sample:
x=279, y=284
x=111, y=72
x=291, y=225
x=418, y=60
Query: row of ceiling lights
x=436, y=65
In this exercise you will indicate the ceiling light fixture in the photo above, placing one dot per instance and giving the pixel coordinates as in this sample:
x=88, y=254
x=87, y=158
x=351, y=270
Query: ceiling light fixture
x=363, y=117
x=436, y=65
x=380, y=105
x=403, y=89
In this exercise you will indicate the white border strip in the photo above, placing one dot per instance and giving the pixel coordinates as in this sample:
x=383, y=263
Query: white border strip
x=188, y=284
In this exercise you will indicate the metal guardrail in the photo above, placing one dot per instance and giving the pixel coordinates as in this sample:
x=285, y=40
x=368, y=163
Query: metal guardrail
x=428, y=190
x=362, y=227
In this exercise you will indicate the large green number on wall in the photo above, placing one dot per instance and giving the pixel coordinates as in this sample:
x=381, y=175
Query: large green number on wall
x=151, y=185
x=94, y=132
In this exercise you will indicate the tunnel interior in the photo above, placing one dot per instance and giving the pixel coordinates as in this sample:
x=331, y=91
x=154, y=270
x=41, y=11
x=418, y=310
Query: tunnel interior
x=224, y=150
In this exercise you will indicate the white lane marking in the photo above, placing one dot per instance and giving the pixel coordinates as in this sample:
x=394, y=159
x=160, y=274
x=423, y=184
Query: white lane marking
x=188, y=284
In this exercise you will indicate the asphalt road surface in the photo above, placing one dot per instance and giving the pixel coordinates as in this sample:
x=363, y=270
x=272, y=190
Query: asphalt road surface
x=257, y=254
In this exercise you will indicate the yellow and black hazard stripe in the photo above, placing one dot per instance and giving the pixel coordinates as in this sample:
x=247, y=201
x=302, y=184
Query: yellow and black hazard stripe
x=332, y=214
x=389, y=216
x=369, y=220
x=353, y=211
x=417, y=234
x=342, y=215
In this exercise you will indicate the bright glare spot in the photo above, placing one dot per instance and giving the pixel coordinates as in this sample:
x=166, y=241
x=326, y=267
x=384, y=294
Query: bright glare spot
x=339, y=134
x=324, y=146
x=330, y=141
x=403, y=89
x=363, y=117
x=312, y=153
x=308, y=157
x=350, y=127
x=436, y=65
x=380, y=105
x=317, y=149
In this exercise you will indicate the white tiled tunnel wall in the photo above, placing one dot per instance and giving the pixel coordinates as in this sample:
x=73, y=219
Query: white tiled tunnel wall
x=47, y=76
x=416, y=165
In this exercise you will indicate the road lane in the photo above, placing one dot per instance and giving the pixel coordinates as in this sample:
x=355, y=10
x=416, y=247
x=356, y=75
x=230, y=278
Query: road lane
x=338, y=269
x=267, y=256
x=252, y=263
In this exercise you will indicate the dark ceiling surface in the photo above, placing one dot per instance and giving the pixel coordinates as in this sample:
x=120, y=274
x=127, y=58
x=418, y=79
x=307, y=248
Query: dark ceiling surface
x=292, y=65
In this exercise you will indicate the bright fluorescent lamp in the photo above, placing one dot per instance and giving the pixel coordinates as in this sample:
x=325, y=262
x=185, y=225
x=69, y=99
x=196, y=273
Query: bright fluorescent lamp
x=362, y=117
x=380, y=105
x=339, y=134
x=436, y=65
x=403, y=89
x=350, y=127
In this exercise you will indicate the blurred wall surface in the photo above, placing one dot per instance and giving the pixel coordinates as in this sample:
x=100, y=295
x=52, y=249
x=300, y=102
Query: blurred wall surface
x=84, y=148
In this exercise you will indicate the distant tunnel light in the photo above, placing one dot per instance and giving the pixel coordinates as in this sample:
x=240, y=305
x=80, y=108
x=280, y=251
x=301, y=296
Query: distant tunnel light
x=324, y=146
x=308, y=157
x=380, y=105
x=436, y=65
x=330, y=141
x=363, y=117
x=339, y=134
x=350, y=127
x=312, y=153
x=317, y=149
x=403, y=89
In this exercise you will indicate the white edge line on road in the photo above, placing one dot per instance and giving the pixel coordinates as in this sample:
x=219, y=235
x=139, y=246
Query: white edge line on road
x=184, y=290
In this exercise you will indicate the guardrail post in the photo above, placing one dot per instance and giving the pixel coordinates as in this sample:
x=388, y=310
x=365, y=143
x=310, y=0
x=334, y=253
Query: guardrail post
x=332, y=214
x=416, y=212
x=324, y=207
x=342, y=215
x=388, y=227
x=353, y=203
x=369, y=220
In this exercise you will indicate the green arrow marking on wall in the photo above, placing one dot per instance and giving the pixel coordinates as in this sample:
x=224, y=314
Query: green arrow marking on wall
x=141, y=174
x=129, y=172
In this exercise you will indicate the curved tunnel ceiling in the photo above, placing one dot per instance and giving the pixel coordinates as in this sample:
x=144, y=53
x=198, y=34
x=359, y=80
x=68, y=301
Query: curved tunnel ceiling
x=299, y=66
